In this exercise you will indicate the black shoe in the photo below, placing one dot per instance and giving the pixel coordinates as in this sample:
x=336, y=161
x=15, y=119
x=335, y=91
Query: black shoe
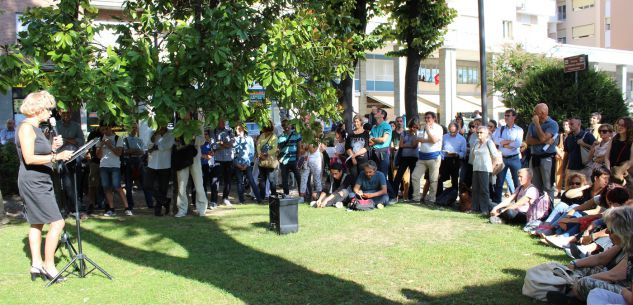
x=35, y=273
x=50, y=277
x=157, y=210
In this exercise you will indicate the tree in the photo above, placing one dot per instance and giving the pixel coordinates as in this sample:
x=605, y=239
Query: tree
x=58, y=53
x=419, y=26
x=524, y=79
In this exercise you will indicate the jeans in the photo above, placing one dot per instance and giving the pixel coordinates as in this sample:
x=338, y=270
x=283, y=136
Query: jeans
x=381, y=157
x=434, y=170
x=405, y=162
x=286, y=169
x=223, y=170
x=314, y=167
x=559, y=211
x=542, y=178
x=251, y=181
x=157, y=184
x=132, y=165
x=267, y=175
x=513, y=165
x=195, y=170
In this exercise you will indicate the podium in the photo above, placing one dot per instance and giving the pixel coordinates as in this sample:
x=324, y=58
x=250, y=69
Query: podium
x=284, y=214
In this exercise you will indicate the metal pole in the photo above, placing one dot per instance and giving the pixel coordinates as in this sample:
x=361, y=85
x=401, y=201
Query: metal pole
x=482, y=63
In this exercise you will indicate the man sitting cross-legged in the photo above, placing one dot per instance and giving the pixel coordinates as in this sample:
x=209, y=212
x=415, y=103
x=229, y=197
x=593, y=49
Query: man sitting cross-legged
x=339, y=191
x=372, y=184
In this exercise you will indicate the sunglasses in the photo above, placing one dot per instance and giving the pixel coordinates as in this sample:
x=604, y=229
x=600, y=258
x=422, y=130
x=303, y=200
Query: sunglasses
x=604, y=131
x=479, y=132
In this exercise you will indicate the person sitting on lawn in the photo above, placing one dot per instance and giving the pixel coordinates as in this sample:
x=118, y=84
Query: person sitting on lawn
x=572, y=225
x=607, y=270
x=339, y=191
x=372, y=184
x=514, y=208
x=577, y=194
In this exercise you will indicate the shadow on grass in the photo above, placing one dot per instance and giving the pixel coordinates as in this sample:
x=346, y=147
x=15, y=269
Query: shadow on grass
x=480, y=294
x=217, y=259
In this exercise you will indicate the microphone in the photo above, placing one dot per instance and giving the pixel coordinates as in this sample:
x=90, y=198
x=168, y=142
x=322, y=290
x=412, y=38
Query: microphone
x=52, y=132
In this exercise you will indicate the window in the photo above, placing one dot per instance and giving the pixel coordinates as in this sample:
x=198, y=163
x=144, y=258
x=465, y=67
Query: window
x=562, y=12
x=507, y=29
x=582, y=4
x=583, y=31
x=562, y=39
x=467, y=75
x=607, y=23
x=427, y=72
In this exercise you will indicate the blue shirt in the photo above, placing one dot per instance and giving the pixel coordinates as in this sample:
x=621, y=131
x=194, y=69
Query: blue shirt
x=244, y=149
x=407, y=139
x=549, y=126
x=379, y=131
x=456, y=144
x=514, y=134
x=288, y=146
x=372, y=185
x=225, y=136
x=204, y=150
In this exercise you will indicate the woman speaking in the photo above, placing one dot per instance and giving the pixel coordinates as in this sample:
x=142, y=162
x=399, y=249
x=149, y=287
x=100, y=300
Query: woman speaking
x=34, y=182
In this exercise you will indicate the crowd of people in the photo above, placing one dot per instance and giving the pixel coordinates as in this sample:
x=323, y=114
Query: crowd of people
x=569, y=187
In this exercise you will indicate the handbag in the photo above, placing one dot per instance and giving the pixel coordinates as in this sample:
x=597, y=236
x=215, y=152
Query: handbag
x=362, y=204
x=183, y=157
x=497, y=163
x=270, y=161
x=543, y=278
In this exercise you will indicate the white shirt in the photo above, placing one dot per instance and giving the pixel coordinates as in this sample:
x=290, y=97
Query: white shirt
x=161, y=158
x=428, y=147
x=482, y=154
x=109, y=159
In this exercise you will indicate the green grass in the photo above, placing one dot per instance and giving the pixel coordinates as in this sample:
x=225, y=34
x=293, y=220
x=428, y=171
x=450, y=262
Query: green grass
x=400, y=255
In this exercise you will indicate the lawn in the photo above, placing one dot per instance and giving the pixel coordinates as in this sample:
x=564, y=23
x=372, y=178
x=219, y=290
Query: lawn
x=406, y=254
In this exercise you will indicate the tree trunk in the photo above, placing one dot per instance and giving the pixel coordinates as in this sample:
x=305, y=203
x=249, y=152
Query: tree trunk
x=411, y=84
x=346, y=100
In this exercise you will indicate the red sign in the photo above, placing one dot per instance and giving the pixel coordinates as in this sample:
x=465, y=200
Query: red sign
x=576, y=63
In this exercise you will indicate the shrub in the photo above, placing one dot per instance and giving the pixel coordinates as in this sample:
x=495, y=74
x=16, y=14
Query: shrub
x=9, y=166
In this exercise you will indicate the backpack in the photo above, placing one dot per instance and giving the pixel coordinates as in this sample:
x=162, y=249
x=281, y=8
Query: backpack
x=448, y=197
x=362, y=204
x=539, y=209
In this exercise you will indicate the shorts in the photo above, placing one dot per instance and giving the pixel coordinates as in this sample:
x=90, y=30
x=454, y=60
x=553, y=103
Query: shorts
x=110, y=177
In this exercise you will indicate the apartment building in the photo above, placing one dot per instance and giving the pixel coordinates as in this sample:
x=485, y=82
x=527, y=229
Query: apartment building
x=594, y=23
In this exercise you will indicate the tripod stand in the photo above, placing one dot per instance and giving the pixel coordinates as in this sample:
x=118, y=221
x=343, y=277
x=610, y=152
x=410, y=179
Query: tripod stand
x=80, y=258
x=64, y=242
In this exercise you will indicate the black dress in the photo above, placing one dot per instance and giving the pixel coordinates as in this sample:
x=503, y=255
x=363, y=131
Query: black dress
x=35, y=184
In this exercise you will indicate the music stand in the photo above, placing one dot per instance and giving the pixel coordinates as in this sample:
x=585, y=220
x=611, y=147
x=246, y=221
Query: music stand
x=79, y=256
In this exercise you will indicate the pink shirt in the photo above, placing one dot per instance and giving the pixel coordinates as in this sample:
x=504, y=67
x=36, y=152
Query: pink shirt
x=531, y=192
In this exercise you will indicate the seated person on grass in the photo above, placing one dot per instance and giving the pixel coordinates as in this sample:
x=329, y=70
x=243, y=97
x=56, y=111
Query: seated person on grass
x=372, y=184
x=573, y=228
x=339, y=191
x=514, y=208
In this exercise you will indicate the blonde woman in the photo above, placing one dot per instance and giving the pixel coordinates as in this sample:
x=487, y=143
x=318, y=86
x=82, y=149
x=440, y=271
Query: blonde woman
x=36, y=156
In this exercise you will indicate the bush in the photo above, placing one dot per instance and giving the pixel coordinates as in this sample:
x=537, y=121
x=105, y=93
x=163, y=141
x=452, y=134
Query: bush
x=595, y=92
x=9, y=166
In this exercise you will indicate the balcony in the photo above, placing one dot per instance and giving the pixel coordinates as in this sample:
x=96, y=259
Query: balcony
x=108, y=4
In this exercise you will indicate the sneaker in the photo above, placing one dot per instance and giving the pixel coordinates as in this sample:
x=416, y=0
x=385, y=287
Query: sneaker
x=178, y=215
x=557, y=241
x=109, y=213
x=129, y=213
x=202, y=213
x=393, y=201
x=577, y=251
x=380, y=206
x=313, y=204
x=227, y=203
x=338, y=205
x=212, y=205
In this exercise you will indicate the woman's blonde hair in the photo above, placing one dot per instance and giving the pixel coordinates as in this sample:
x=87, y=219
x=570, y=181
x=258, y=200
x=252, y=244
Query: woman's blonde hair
x=36, y=102
x=620, y=222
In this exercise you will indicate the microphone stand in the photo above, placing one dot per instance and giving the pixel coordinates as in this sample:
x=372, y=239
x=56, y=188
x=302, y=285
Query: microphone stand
x=79, y=257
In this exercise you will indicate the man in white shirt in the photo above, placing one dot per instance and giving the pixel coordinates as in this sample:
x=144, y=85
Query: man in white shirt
x=429, y=157
x=109, y=151
x=508, y=138
x=158, y=172
x=7, y=135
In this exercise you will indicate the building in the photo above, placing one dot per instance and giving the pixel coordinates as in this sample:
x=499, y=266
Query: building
x=10, y=25
x=593, y=23
x=449, y=80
